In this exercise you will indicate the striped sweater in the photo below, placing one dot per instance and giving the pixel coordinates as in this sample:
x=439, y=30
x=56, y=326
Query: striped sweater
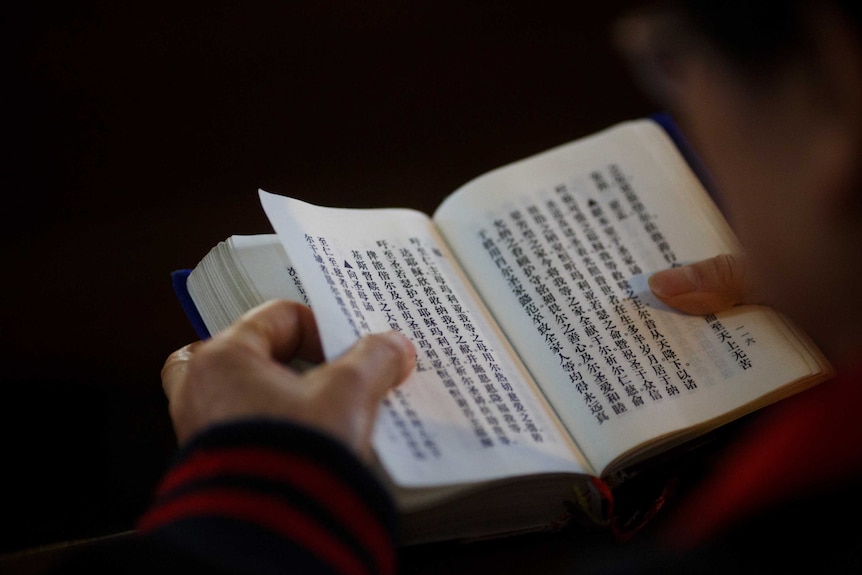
x=272, y=497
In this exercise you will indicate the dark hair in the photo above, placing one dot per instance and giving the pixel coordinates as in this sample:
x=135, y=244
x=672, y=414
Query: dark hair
x=759, y=34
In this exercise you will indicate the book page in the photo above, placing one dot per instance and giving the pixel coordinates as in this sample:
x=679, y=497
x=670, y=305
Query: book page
x=470, y=411
x=266, y=267
x=240, y=273
x=560, y=247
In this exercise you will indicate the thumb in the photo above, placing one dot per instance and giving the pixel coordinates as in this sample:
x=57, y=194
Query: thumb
x=349, y=389
x=374, y=365
x=706, y=286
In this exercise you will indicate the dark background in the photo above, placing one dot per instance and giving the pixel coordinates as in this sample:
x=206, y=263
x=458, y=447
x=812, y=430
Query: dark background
x=137, y=135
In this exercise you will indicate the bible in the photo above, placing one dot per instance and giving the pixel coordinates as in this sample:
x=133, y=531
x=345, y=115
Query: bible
x=547, y=374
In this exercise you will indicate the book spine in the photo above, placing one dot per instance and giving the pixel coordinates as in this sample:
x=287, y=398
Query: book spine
x=181, y=290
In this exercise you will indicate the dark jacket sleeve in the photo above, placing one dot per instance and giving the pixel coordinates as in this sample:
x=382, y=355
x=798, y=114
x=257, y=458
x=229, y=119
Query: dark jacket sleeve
x=261, y=497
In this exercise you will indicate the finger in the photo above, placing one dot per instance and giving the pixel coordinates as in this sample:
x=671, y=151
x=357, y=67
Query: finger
x=705, y=287
x=176, y=366
x=282, y=329
x=369, y=369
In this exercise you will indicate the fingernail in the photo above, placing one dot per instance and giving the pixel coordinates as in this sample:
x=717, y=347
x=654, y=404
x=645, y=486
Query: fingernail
x=673, y=282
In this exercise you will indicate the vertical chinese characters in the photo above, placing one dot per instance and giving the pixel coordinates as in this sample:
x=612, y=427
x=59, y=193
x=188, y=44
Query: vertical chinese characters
x=564, y=258
x=399, y=285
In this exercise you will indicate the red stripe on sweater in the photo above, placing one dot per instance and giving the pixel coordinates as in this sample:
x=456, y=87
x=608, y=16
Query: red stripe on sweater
x=263, y=511
x=301, y=473
x=804, y=444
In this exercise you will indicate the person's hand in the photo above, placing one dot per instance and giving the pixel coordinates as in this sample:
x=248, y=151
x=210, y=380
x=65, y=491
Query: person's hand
x=242, y=372
x=705, y=287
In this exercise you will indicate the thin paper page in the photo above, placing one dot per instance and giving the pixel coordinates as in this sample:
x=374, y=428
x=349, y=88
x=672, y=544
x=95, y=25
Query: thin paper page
x=265, y=265
x=240, y=273
x=469, y=412
x=560, y=247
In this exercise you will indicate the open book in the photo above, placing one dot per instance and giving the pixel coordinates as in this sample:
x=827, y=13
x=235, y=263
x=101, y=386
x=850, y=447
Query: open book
x=545, y=366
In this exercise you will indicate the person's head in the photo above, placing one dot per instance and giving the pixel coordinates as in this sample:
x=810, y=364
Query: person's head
x=770, y=95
